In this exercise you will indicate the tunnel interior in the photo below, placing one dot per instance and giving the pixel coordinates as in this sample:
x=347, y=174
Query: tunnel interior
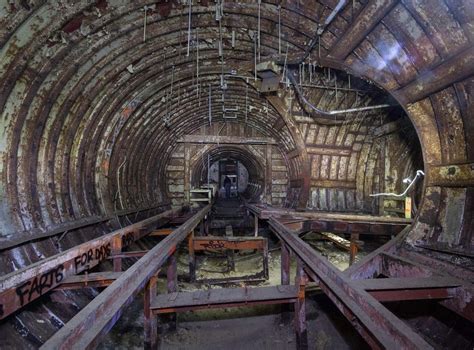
x=344, y=127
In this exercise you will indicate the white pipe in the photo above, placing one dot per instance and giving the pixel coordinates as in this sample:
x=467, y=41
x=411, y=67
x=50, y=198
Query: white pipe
x=419, y=173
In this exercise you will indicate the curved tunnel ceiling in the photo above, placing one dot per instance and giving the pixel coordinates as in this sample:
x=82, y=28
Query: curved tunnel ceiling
x=95, y=93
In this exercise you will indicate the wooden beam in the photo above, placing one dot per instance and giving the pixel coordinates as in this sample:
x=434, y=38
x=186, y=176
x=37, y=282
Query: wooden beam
x=235, y=243
x=367, y=19
x=333, y=184
x=89, y=280
x=455, y=69
x=223, y=297
x=92, y=322
x=330, y=150
x=234, y=140
x=19, y=288
x=407, y=283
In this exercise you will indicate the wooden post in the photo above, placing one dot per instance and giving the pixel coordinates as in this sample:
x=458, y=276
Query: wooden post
x=117, y=249
x=256, y=225
x=353, y=247
x=265, y=259
x=192, y=258
x=285, y=264
x=150, y=319
x=172, y=284
x=171, y=274
x=300, y=309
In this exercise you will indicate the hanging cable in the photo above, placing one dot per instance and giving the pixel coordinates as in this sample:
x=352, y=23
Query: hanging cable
x=189, y=26
x=259, y=27
x=210, y=106
x=293, y=81
x=144, y=22
x=419, y=173
x=279, y=30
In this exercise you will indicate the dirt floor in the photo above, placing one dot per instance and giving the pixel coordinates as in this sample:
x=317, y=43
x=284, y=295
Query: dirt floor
x=262, y=327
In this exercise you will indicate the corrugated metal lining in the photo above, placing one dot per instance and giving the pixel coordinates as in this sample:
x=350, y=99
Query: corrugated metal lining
x=87, y=104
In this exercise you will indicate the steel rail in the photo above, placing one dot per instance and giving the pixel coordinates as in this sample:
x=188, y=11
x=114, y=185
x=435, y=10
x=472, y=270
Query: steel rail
x=85, y=329
x=373, y=321
x=19, y=288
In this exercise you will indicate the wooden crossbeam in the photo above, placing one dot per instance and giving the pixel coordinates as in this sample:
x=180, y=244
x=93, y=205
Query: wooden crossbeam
x=89, y=280
x=125, y=255
x=218, y=139
x=161, y=232
x=235, y=243
x=85, y=329
x=414, y=288
x=223, y=297
x=407, y=283
x=21, y=287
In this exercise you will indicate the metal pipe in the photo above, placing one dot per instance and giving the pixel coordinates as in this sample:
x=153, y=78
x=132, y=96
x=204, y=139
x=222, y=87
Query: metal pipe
x=330, y=113
x=331, y=16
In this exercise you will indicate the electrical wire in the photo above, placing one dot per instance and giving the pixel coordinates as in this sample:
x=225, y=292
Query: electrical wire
x=419, y=173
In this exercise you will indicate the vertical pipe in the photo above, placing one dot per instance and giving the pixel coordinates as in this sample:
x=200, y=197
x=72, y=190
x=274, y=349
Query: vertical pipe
x=279, y=29
x=189, y=25
x=259, y=27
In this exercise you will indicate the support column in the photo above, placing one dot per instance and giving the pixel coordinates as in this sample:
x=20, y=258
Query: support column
x=117, y=249
x=171, y=274
x=353, y=247
x=285, y=264
x=300, y=309
x=150, y=319
x=172, y=284
x=192, y=258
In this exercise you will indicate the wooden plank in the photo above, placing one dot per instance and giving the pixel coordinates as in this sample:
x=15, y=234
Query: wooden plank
x=93, y=321
x=89, y=280
x=330, y=150
x=234, y=140
x=223, y=297
x=407, y=283
x=19, y=288
x=235, y=243
x=334, y=184
x=161, y=232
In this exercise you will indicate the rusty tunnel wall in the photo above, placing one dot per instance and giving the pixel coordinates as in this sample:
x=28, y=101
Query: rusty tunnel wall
x=91, y=110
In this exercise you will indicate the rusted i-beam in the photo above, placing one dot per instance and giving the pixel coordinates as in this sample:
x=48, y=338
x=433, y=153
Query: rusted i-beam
x=85, y=329
x=19, y=288
x=373, y=321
